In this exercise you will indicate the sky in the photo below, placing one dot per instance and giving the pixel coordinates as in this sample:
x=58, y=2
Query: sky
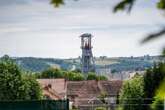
x=34, y=28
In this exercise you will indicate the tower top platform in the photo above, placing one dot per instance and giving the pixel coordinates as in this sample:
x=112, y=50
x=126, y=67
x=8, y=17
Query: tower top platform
x=86, y=35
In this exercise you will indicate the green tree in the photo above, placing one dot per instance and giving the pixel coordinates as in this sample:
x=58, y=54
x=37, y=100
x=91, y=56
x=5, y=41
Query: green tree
x=33, y=88
x=72, y=76
x=52, y=73
x=131, y=95
x=102, y=77
x=58, y=73
x=92, y=76
x=12, y=84
x=78, y=77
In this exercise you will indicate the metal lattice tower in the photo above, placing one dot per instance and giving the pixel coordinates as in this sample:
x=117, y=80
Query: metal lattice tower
x=87, y=60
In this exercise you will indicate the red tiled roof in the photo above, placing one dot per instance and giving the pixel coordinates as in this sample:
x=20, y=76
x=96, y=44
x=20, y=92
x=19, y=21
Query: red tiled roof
x=112, y=88
x=57, y=85
x=83, y=88
x=93, y=88
x=81, y=91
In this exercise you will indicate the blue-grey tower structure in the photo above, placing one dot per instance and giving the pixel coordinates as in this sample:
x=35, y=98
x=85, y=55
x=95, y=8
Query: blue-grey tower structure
x=87, y=60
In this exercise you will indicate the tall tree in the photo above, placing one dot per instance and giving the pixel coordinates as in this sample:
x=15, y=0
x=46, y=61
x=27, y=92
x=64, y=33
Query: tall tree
x=12, y=84
x=131, y=95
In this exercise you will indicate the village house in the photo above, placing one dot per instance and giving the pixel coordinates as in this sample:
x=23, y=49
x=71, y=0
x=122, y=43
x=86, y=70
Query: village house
x=82, y=94
x=85, y=94
x=53, y=88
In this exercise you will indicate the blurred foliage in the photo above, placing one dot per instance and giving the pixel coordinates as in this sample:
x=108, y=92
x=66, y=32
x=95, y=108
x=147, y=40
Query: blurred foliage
x=57, y=3
x=161, y=4
x=154, y=35
x=14, y=85
x=164, y=52
x=152, y=79
x=125, y=4
x=160, y=93
x=128, y=4
x=158, y=103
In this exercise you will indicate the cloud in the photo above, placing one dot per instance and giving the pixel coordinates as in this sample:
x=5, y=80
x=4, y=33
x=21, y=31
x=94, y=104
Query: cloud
x=36, y=28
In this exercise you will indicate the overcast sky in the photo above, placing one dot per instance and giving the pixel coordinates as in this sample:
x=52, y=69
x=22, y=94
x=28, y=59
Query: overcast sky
x=35, y=28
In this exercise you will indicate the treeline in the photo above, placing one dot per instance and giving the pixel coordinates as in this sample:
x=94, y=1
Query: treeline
x=69, y=75
x=130, y=65
x=40, y=64
x=144, y=92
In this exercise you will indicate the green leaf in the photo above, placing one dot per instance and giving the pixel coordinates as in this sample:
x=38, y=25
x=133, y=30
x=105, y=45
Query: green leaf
x=163, y=52
x=154, y=36
x=161, y=4
x=124, y=5
x=57, y=3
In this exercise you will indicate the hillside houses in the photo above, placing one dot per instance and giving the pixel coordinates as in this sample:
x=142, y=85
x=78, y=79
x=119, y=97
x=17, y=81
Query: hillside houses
x=82, y=94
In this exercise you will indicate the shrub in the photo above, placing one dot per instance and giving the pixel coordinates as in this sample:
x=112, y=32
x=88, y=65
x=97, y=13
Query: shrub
x=100, y=108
